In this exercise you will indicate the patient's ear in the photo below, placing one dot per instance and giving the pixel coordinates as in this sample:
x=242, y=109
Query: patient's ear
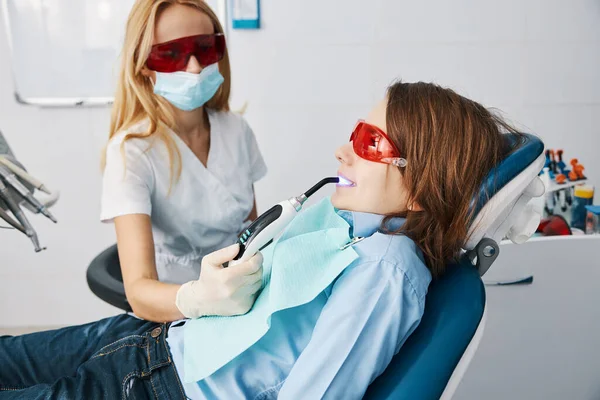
x=414, y=206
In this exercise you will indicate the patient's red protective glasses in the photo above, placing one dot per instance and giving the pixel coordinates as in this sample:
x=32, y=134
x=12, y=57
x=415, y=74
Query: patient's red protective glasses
x=372, y=144
x=174, y=55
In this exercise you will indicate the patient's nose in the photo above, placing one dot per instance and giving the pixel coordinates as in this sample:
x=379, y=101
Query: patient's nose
x=345, y=153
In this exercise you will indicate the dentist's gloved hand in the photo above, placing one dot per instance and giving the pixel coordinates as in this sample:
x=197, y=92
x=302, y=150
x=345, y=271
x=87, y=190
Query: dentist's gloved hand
x=221, y=291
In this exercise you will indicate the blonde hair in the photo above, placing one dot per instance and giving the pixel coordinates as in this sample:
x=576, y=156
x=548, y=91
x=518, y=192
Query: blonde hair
x=134, y=97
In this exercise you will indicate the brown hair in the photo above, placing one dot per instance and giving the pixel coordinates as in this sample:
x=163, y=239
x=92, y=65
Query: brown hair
x=451, y=143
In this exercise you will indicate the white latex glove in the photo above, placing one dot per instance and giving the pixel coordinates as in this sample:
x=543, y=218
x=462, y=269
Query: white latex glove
x=221, y=291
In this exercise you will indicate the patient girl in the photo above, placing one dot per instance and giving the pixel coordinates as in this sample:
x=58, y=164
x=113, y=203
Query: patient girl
x=416, y=162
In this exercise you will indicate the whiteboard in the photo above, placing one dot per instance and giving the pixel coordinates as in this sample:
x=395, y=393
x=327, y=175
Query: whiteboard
x=65, y=52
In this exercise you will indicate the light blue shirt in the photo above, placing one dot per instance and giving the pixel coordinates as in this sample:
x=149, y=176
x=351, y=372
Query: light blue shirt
x=335, y=346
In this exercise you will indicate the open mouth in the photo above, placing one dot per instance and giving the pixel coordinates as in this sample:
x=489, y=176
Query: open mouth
x=345, y=181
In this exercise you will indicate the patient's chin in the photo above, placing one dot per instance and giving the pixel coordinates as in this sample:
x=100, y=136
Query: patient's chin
x=341, y=202
x=337, y=201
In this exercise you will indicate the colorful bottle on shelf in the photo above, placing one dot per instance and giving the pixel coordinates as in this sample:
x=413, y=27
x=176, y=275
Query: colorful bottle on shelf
x=584, y=196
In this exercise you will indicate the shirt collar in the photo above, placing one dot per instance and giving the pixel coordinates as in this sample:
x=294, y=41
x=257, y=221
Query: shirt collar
x=365, y=224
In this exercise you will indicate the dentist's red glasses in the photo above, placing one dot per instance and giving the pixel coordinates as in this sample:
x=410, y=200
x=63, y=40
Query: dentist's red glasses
x=174, y=55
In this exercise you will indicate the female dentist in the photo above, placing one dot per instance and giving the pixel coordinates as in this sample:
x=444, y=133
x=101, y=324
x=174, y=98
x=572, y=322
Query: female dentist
x=179, y=167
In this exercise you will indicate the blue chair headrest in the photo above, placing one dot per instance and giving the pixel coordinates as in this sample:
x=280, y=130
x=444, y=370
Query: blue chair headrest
x=525, y=150
x=453, y=309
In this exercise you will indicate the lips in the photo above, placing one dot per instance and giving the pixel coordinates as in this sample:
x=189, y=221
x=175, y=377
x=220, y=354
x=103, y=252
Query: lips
x=344, y=181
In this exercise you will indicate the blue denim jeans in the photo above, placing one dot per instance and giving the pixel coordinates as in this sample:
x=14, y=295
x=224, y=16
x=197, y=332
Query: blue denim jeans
x=115, y=358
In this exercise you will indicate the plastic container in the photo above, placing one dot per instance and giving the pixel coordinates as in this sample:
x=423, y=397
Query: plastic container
x=583, y=196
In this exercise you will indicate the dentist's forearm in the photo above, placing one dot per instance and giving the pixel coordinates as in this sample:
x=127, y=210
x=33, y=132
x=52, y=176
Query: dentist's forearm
x=153, y=300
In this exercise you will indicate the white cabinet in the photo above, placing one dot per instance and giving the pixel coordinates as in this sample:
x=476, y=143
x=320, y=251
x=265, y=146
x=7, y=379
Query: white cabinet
x=541, y=341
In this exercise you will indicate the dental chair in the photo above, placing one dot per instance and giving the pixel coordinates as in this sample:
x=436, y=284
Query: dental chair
x=433, y=360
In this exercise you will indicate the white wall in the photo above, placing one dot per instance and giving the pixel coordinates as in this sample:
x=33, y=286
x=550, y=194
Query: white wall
x=313, y=69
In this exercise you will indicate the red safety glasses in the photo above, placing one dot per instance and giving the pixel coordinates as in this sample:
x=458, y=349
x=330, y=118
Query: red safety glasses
x=174, y=55
x=372, y=144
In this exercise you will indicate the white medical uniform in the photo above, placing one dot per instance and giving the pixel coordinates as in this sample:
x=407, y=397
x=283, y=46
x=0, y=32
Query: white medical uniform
x=206, y=208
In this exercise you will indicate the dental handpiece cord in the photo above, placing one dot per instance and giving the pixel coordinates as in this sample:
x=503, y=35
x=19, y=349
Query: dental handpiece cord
x=11, y=179
x=18, y=213
x=272, y=222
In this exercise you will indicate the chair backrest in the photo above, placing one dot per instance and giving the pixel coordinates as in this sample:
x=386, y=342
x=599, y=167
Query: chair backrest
x=455, y=304
x=105, y=280
x=422, y=368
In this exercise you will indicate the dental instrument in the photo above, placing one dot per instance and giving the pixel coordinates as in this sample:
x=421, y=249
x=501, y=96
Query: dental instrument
x=11, y=179
x=24, y=175
x=272, y=222
x=6, y=217
x=15, y=181
x=18, y=213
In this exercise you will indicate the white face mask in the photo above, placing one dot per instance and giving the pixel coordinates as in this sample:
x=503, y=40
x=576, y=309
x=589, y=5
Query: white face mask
x=188, y=91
